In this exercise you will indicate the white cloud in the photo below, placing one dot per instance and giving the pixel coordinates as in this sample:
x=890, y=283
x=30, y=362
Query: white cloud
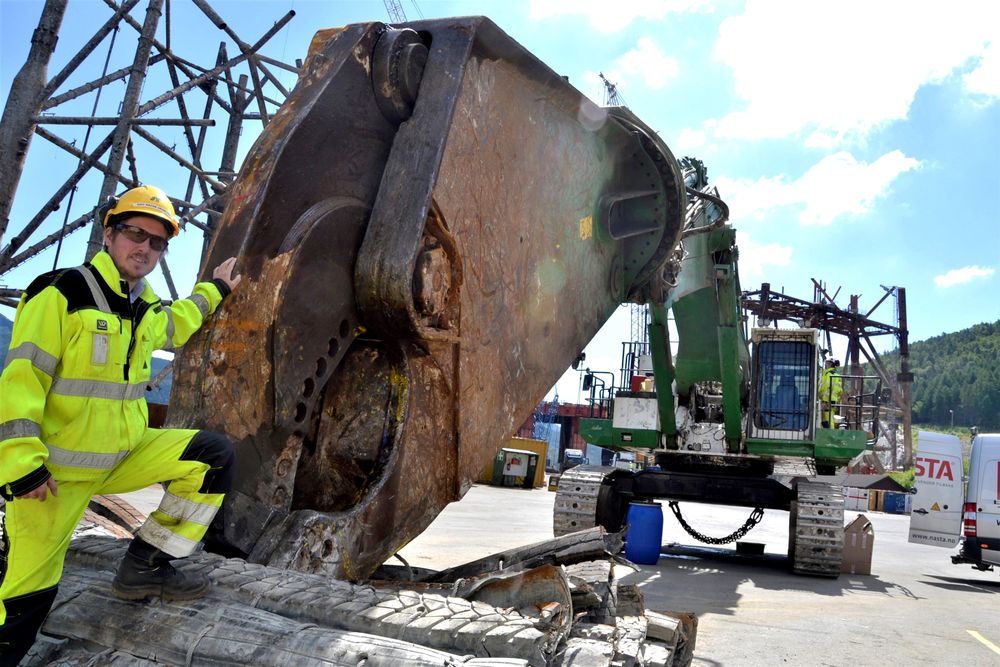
x=961, y=276
x=846, y=68
x=645, y=62
x=688, y=139
x=643, y=65
x=755, y=198
x=838, y=185
x=755, y=257
x=985, y=78
x=649, y=62
x=611, y=16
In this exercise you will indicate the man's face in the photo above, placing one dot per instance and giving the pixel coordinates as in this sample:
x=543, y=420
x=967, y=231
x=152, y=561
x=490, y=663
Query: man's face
x=134, y=260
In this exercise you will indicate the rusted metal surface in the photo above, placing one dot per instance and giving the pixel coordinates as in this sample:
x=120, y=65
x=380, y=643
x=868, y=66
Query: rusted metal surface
x=430, y=230
x=24, y=102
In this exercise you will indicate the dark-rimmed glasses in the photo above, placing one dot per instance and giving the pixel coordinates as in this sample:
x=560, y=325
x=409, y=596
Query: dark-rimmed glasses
x=137, y=235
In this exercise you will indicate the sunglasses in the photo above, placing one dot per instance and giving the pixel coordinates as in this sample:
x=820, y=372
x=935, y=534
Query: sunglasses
x=137, y=236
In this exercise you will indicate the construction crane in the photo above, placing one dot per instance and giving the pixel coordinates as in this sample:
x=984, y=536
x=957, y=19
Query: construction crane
x=611, y=96
x=545, y=416
x=395, y=10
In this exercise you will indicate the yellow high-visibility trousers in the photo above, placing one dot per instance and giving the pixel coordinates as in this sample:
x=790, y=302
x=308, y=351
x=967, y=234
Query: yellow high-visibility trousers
x=198, y=467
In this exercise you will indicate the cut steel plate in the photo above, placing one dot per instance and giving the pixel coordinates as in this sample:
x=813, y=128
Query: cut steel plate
x=430, y=230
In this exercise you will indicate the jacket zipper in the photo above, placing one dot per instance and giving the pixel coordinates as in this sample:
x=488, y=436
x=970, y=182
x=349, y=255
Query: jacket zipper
x=131, y=348
x=131, y=339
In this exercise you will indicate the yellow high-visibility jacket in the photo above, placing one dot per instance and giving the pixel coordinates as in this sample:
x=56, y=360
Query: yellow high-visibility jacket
x=831, y=385
x=72, y=392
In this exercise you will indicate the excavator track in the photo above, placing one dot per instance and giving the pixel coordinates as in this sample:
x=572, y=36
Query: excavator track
x=576, y=499
x=816, y=530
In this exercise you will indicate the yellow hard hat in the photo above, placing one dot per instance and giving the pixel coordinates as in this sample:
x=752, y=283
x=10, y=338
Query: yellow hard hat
x=143, y=200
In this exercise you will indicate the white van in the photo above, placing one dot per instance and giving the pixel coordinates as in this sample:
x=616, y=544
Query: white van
x=944, y=513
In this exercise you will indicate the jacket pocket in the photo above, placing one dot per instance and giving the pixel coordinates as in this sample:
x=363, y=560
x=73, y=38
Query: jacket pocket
x=99, y=346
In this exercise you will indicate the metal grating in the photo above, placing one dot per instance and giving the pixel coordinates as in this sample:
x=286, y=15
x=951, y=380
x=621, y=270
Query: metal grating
x=784, y=385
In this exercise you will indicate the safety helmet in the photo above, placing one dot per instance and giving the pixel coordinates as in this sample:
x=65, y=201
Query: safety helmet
x=143, y=200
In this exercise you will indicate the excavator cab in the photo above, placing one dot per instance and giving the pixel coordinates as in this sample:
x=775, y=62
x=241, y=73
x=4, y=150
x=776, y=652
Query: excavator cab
x=783, y=411
x=783, y=395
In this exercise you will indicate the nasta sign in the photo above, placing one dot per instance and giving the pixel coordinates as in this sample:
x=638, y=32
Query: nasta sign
x=934, y=468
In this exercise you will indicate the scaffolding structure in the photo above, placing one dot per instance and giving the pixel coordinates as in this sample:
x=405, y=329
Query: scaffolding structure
x=117, y=150
x=823, y=313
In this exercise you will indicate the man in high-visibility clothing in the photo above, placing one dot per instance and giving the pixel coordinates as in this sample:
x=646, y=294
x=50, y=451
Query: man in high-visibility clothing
x=830, y=389
x=74, y=422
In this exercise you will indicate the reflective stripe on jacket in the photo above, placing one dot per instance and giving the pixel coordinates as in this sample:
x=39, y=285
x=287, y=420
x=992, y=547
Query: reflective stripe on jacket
x=73, y=383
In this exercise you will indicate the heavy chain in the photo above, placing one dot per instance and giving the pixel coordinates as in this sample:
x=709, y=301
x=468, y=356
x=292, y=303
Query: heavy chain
x=755, y=516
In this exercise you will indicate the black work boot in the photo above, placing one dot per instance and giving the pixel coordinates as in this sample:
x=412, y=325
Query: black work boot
x=146, y=571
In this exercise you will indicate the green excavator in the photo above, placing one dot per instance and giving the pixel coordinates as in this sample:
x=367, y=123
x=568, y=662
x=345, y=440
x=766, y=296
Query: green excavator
x=733, y=418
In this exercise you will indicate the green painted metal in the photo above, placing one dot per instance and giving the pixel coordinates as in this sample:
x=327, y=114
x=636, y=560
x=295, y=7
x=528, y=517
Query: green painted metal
x=695, y=305
x=635, y=437
x=596, y=431
x=712, y=347
x=765, y=447
x=733, y=352
x=600, y=432
x=733, y=384
x=707, y=313
x=663, y=371
x=831, y=446
x=839, y=446
x=696, y=316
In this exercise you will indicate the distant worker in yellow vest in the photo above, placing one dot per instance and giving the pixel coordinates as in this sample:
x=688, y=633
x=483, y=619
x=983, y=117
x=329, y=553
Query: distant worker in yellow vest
x=74, y=421
x=830, y=389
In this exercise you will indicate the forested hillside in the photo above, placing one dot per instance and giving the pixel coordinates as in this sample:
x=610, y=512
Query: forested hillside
x=958, y=371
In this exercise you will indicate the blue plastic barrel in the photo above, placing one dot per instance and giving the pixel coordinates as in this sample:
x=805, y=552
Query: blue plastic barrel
x=645, y=532
x=894, y=503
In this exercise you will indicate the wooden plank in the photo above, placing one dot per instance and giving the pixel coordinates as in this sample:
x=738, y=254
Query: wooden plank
x=656, y=655
x=631, y=631
x=598, y=577
x=590, y=544
x=683, y=648
x=662, y=627
x=630, y=600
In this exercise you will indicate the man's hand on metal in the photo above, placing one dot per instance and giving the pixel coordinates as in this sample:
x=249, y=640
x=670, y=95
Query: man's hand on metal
x=41, y=492
x=224, y=272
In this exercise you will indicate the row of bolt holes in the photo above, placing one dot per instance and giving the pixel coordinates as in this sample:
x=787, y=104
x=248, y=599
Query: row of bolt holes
x=307, y=390
x=309, y=386
x=576, y=505
x=655, y=210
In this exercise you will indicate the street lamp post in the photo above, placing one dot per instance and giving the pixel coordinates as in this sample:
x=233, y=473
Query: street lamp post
x=952, y=413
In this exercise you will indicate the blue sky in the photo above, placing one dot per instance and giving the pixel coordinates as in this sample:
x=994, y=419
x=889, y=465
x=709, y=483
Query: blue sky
x=856, y=142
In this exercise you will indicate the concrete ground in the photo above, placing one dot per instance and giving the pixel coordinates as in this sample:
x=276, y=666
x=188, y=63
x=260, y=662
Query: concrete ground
x=915, y=608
